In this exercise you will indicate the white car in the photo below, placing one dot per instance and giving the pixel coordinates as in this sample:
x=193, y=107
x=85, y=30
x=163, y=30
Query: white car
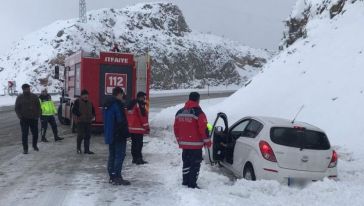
x=274, y=149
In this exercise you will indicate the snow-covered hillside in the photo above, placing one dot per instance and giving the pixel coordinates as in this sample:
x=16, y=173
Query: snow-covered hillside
x=181, y=58
x=322, y=70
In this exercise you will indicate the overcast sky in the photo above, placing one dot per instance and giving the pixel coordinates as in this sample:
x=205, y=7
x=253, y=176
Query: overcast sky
x=256, y=23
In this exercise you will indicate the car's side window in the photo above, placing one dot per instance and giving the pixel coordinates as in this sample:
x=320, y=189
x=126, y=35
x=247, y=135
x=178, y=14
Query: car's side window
x=238, y=130
x=252, y=129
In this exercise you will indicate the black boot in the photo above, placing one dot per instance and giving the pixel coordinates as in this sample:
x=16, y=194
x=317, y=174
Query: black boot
x=120, y=181
x=57, y=138
x=35, y=147
x=79, y=151
x=44, y=139
x=139, y=162
x=25, y=149
x=143, y=161
x=89, y=152
x=194, y=187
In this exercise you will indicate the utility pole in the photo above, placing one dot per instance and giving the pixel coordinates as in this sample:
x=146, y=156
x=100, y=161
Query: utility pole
x=83, y=16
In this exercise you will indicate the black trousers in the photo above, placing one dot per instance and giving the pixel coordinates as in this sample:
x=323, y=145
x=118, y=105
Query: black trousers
x=44, y=122
x=27, y=124
x=192, y=159
x=136, y=146
x=83, y=133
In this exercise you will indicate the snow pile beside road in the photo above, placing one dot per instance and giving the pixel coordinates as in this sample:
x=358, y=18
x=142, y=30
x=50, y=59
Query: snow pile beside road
x=10, y=100
x=7, y=100
x=322, y=70
x=220, y=188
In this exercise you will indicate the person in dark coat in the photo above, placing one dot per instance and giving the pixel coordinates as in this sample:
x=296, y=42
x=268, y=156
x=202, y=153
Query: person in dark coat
x=115, y=135
x=138, y=126
x=27, y=108
x=48, y=112
x=84, y=113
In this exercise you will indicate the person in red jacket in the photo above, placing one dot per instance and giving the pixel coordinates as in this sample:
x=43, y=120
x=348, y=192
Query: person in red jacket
x=138, y=126
x=190, y=129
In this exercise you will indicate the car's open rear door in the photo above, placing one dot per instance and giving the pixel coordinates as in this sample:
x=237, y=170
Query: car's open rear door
x=218, y=135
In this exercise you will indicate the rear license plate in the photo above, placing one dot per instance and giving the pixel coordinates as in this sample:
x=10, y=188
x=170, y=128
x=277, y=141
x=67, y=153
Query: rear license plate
x=297, y=182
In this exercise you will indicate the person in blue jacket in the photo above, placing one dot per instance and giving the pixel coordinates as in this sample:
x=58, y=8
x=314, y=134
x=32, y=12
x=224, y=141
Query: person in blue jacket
x=116, y=133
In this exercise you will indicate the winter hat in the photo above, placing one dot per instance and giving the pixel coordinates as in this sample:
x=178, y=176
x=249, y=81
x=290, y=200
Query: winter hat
x=141, y=94
x=84, y=92
x=43, y=89
x=194, y=96
x=25, y=86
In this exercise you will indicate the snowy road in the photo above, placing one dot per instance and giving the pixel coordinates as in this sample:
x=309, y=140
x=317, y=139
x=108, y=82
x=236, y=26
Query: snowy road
x=56, y=175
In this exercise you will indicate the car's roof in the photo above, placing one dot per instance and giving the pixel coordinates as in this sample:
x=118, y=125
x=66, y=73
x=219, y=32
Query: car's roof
x=274, y=121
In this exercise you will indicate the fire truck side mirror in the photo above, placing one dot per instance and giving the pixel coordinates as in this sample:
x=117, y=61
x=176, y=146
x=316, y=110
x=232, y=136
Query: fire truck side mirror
x=56, y=72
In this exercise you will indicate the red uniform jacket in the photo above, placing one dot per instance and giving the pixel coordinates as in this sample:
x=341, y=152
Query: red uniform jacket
x=138, y=124
x=190, y=127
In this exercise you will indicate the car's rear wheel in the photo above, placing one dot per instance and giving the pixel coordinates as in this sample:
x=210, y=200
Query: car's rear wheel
x=248, y=173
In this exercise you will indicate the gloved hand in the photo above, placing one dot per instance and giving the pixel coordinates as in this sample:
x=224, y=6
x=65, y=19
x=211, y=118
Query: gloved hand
x=147, y=130
x=207, y=144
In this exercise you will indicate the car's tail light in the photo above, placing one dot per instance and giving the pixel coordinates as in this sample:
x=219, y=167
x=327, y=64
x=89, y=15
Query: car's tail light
x=334, y=158
x=267, y=151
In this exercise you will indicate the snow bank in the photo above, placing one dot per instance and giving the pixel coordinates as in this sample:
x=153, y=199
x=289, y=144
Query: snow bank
x=324, y=72
x=220, y=188
x=7, y=100
x=10, y=100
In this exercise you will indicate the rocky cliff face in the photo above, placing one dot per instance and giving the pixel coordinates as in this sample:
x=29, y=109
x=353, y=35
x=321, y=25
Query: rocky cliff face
x=181, y=58
x=306, y=10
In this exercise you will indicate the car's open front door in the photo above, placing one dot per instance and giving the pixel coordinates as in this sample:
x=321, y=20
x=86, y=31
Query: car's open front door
x=218, y=136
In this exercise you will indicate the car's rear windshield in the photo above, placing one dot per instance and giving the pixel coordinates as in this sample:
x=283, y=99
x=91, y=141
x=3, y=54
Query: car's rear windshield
x=300, y=138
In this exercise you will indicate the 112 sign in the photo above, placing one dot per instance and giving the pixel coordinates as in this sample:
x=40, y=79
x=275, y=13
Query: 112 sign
x=113, y=80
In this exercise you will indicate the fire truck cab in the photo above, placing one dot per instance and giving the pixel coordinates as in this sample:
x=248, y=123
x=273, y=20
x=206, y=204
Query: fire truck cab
x=99, y=74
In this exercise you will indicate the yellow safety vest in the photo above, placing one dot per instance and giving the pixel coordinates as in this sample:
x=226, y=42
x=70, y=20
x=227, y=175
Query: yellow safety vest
x=48, y=108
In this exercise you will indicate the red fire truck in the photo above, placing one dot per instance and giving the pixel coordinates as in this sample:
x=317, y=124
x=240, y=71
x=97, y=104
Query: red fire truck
x=99, y=74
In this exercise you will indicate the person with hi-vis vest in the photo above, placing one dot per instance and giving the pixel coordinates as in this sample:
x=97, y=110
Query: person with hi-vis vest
x=138, y=126
x=47, y=116
x=190, y=129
